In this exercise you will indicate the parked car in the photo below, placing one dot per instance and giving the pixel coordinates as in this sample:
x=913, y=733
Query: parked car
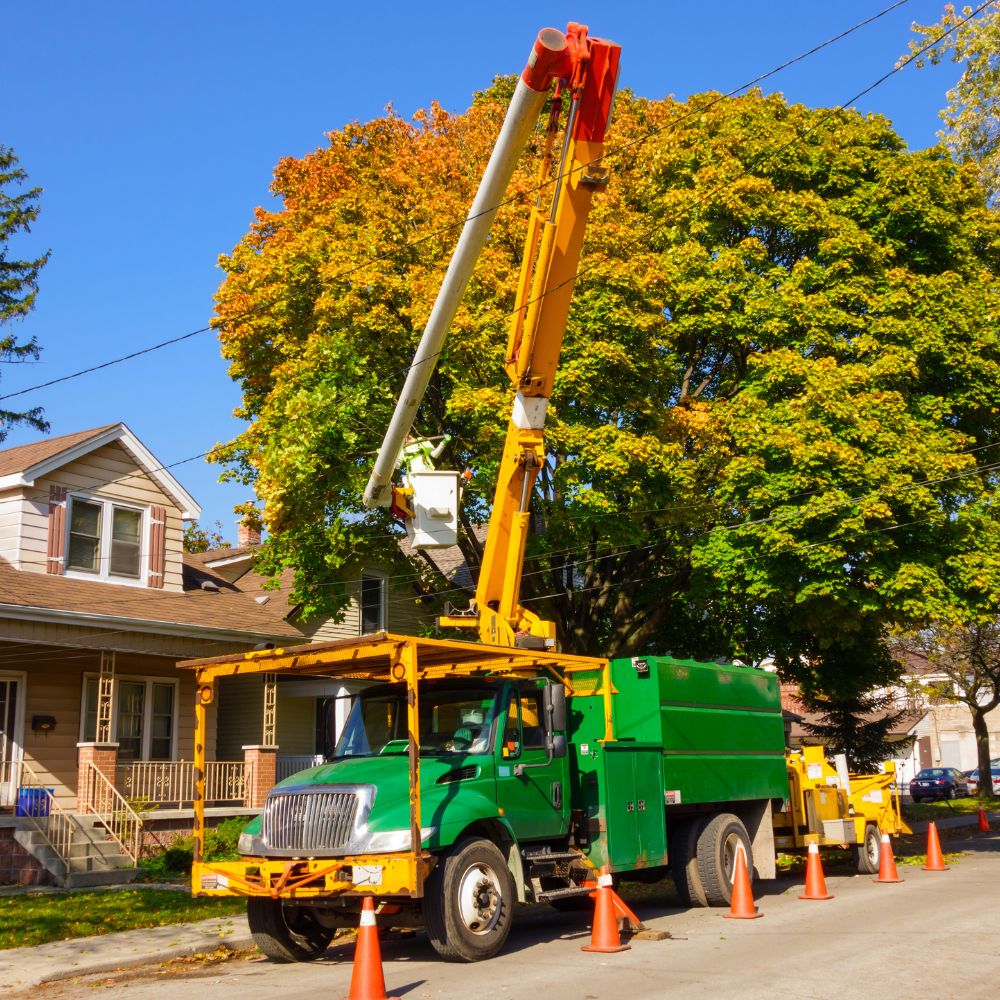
x=938, y=783
x=973, y=778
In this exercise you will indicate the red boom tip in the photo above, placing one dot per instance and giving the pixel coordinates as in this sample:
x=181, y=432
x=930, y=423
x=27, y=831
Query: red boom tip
x=550, y=58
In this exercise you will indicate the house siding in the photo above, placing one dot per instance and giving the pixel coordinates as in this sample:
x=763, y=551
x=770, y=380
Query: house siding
x=112, y=473
x=54, y=686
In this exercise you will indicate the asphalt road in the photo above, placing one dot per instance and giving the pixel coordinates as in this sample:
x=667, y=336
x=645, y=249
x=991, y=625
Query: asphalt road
x=936, y=935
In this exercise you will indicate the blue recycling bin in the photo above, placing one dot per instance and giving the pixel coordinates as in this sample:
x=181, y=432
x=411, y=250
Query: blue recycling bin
x=33, y=801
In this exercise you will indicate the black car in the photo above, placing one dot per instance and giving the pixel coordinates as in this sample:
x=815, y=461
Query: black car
x=938, y=783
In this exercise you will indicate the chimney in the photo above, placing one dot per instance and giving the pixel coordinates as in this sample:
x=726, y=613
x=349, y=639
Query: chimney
x=247, y=534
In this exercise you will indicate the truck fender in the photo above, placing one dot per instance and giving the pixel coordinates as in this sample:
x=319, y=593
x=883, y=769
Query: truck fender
x=498, y=830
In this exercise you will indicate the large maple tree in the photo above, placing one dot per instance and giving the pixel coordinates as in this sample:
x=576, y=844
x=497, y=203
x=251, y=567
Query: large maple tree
x=780, y=386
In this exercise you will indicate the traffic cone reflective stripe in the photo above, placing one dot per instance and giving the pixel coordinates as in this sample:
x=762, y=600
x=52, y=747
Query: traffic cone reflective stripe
x=815, y=883
x=604, y=935
x=887, y=863
x=367, y=981
x=984, y=823
x=741, y=907
x=935, y=859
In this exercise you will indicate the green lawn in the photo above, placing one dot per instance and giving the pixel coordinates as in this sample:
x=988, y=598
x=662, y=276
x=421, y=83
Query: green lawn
x=941, y=808
x=38, y=919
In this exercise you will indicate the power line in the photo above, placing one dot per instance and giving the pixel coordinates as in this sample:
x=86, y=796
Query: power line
x=609, y=151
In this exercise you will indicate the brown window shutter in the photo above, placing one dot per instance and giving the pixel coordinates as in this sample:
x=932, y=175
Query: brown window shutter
x=56, y=561
x=157, y=538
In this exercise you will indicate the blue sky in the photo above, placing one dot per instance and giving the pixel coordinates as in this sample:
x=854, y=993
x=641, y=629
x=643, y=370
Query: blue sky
x=154, y=130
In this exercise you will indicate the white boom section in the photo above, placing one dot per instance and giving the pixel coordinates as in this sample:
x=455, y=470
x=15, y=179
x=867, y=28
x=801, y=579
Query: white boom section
x=525, y=107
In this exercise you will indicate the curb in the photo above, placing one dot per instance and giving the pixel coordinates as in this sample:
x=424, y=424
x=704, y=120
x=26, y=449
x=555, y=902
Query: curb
x=23, y=968
x=157, y=958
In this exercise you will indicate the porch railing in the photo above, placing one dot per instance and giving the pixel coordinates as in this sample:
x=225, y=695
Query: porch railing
x=39, y=807
x=171, y=782
x=117, y=817
x=288, y=764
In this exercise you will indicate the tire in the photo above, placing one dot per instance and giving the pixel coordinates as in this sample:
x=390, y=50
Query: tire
x=684, y=861
x=469, y=902
x=718, y=843
x=286, y=933
x=917, y=798
x=867, y=854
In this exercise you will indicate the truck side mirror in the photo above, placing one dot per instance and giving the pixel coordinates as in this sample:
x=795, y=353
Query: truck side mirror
x=555, y=706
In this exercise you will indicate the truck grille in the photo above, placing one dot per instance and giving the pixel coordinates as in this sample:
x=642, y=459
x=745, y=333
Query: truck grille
x=309, y=822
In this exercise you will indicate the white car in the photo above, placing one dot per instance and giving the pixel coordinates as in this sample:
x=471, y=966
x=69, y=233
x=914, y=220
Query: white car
x=973, y=778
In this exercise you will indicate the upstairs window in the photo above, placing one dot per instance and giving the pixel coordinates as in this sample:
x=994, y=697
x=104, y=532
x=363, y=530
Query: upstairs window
x=104, y=538
x=372, y=603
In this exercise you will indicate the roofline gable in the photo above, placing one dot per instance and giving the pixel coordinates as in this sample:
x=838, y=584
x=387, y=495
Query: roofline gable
x=190, y=508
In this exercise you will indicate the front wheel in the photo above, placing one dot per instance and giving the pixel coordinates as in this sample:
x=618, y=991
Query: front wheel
x=286, y=933
x=469, y=902
x=867, y=854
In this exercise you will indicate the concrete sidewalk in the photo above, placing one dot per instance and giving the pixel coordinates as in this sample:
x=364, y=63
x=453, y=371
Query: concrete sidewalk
x=22, y=968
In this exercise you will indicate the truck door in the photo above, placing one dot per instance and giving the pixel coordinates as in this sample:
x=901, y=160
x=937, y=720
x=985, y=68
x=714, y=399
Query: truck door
x=531, y=790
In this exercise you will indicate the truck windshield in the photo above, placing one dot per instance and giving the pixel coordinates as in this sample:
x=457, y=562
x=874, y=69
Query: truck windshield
x=452, y=720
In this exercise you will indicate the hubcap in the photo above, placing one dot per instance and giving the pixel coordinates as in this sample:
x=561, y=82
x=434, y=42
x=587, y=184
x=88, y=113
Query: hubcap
x=479, y=899
x=733, y=845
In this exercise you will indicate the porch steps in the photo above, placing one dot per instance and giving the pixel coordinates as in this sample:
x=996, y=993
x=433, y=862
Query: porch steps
x=91, y=861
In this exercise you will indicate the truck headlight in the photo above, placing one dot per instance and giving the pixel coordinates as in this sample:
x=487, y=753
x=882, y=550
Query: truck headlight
x=245, y=845
x=392, y=841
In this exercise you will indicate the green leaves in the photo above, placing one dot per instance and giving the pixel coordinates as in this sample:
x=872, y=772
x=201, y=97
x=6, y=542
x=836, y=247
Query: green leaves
x=773, y=426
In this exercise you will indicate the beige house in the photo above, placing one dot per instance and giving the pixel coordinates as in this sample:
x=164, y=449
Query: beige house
x=98, y=603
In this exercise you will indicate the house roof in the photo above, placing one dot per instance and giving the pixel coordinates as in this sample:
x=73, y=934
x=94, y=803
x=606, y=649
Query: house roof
x=23, y=465
x=801, y=717
x=221, y=609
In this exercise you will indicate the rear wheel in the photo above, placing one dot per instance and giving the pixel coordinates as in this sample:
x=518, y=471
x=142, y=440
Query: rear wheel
x=286, y=933
x=722, y=839
x=684, y=861
x=868, y=853
x=469, y=902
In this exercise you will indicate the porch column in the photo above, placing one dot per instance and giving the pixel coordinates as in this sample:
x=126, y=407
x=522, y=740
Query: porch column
x=261, y=764
x=104, y=756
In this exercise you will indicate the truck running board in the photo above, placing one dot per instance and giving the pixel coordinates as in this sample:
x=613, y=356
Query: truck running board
x=551, y=894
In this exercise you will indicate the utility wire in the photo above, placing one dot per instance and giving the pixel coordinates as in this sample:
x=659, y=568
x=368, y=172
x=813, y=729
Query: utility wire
x=609, y=151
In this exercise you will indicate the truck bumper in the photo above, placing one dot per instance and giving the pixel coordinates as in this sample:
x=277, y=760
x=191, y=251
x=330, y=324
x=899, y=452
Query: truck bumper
x=372, y=874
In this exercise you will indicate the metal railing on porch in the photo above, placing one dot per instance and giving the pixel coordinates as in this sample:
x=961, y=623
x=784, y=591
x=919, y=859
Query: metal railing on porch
x=171, y=783
x=112, y=811
x=288, y=764
x=20, y=786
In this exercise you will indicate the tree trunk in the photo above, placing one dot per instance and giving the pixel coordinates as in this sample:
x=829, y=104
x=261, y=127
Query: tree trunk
x=983, y=752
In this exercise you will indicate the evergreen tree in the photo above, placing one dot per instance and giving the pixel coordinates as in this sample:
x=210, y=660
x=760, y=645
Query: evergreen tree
x=18, y=279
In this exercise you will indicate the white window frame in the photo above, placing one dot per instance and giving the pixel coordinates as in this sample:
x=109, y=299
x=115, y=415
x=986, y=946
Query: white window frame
x=383, y=582
x=147, y=710
x=104, y=557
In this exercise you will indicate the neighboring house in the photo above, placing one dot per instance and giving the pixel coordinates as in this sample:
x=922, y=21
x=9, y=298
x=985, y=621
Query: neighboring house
x=944, y=736
x=379, y=598
x=97, y=606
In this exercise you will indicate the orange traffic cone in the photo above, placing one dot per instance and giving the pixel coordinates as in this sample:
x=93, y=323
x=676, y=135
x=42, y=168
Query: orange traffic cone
x=741, y=907
x=367, y=981
x=984, y=823
x=815, y=883
x=604, y=934
x=935, y=859
x=887, y=863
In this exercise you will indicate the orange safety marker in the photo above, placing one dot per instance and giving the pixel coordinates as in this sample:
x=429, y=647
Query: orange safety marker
x=984, y=823
x=367, y=981
x=741, y=907
x=887, y=863
x=604, y=937
x=935, y=859
x=815, y=883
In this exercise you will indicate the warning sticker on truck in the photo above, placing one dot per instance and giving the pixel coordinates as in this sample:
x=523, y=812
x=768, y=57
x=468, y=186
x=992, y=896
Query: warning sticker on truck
x=214, y=881
x=672, y=797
